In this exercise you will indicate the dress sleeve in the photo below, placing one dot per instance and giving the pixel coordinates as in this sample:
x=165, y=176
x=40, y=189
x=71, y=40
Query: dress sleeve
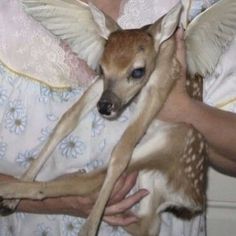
x=30, y=50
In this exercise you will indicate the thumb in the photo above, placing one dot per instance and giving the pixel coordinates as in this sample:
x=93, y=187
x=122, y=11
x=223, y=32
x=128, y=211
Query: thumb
x=180, y=48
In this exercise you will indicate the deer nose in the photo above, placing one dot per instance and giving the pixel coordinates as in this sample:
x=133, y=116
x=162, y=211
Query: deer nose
x=105, y=107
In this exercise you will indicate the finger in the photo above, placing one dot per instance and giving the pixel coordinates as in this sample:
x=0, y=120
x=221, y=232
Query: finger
x=127, y=203
x=181, y=57
x=121, y=220
x=180, y=47
x=119, y=184
x=123, y=187
x=180, y=33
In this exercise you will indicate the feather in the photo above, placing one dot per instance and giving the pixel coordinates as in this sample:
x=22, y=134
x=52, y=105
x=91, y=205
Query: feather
x=209, y=35
x=71, y=21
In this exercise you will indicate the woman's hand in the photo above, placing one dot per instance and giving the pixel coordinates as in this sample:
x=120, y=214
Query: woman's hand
x=117, y=210
x=178, y=101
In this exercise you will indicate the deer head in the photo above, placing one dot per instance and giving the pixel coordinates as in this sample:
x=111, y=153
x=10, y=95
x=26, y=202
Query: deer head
x=129, y=58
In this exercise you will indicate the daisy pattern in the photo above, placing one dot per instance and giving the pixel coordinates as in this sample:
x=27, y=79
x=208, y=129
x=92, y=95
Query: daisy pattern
x=16, y=123
x=117, y=231
x=3, y=95
x=52, y=117
x=7, y=228
x=69, y=94
x=45, y=132
x=15, y=107
x=10, y=78
x=72, y=147
x=2, y=71
x=43, y=230
x=131, y=108
x=51, y=217
x=7, y=75
x=24, y=159
x=102, y=145
x=94, y=165
x=71, y=225
x=123, y=118
x=45, y=94
x=98, y=124
x=3, y=149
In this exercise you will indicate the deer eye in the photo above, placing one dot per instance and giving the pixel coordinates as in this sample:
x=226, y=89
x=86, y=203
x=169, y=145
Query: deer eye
x=138, y=73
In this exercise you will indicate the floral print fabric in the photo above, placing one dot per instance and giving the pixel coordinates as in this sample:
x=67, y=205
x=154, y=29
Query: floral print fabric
x=29, y=110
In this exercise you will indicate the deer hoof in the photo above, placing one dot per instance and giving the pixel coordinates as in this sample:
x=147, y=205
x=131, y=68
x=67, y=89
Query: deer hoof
x=5, y=209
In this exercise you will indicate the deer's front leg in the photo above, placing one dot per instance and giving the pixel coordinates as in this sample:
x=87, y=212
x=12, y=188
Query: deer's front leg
x=150, y=103
x=66, y=125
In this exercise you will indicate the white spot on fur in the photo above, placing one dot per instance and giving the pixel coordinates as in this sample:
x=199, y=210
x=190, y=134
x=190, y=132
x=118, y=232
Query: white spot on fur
x=188, y=169
x=188, y=160
x=201, y=176
x=199, y=164
x=190, y=150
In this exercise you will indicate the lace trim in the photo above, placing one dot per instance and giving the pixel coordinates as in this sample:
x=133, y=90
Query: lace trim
x=30, y=51
x=34, y=79
x=137, y=13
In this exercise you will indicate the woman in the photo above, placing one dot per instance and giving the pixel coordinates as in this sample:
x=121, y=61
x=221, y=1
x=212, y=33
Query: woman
x=29, y=110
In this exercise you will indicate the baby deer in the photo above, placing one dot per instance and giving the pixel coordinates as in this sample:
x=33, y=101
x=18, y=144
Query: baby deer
x=170, y=157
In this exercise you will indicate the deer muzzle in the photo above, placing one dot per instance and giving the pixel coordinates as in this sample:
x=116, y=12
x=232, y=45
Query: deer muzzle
x=109, y=105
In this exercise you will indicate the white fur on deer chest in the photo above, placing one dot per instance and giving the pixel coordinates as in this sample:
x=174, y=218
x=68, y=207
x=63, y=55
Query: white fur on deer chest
x=162, y=195
x=156, y=138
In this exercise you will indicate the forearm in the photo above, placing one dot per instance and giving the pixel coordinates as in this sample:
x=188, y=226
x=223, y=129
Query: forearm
x=221, y=163
x=217, y=126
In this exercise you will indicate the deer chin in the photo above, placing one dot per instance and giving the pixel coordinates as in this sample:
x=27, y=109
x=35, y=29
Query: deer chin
x=115, y=113
x=113, y=116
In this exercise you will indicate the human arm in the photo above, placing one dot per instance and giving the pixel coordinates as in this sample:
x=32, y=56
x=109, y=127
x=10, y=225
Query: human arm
x=116, y=212
x=217, y=126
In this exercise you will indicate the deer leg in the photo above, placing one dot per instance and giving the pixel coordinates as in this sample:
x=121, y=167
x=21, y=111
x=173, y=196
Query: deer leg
x=66, y=125
x=150, y=152
x=72, y=184
x=152, y=98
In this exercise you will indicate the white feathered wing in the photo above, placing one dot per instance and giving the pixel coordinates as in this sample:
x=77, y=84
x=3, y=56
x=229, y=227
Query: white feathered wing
x=208, y=36
x=72, y=21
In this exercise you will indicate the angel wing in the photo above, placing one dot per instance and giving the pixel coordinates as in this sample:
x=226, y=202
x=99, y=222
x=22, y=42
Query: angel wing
x=73, y=21
x=208, y=35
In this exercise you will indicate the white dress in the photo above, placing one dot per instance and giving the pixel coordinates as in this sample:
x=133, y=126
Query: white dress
x=30, y=109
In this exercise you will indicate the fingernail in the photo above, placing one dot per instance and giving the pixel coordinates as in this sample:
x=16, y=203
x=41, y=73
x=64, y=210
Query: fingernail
x=134, y=219
x=145, y=191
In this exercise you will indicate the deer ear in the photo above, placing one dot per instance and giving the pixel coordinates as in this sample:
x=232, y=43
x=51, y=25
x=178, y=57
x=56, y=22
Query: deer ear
x=166, y=26
x=106, y=25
